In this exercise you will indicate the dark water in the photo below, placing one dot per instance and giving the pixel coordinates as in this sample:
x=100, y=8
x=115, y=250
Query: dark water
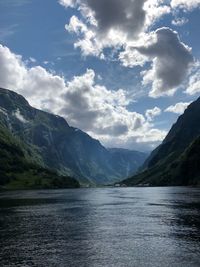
x=113, y=227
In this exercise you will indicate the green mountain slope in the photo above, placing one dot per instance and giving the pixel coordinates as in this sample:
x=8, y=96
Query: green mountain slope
x=20, y=169
x=183, y=171
x=66, y=149
x=176, y=160
x=182, y=133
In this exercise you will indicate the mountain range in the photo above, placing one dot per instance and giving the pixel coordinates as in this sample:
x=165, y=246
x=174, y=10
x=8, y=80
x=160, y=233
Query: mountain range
x=177, y=160
x=51, y=147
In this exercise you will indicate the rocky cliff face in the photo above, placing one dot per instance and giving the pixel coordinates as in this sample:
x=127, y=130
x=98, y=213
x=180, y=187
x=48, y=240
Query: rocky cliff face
x=61, y=147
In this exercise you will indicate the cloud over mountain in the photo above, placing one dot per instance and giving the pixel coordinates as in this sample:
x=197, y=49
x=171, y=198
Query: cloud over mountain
x=85, y=104
x=193, y=86
x=178, y=108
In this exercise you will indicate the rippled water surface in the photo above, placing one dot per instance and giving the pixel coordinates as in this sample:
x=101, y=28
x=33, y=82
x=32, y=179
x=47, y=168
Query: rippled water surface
x=110, y=227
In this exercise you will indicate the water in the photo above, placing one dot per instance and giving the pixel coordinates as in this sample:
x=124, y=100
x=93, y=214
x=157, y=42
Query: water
x=110, y=227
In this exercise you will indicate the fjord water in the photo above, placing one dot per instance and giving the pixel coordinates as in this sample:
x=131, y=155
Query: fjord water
x=111, y=227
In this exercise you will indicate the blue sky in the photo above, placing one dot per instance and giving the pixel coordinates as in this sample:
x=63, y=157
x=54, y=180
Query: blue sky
x=94, y=86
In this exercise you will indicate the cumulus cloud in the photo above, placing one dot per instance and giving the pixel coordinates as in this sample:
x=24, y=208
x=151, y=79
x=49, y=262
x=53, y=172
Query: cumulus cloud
x=178, y=108
x=88, y=43
x=155, y=9
x=85, y=104
x=126, y=16
x=185, y=4
x=152, y=113
x=124, y=27
x=179, y=21
x=148, y=139
x=154, y=135
x=171, y=61
x=35, y=83
x=90, y=105
x=194, y=81
x=130, y=57
x=67, y=3
x=111, y=23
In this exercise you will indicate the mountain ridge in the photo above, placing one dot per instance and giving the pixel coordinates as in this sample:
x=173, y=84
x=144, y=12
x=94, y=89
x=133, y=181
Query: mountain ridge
x=166, y=164
x=66, y=149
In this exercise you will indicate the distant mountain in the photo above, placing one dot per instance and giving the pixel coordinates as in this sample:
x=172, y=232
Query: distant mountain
x=126, y=162
x=65, y=149
x=176, y=160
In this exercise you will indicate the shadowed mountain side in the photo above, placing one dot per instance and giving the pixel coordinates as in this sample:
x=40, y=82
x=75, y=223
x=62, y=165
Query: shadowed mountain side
x=65, y=149
x=176, y=160
x=20, y=167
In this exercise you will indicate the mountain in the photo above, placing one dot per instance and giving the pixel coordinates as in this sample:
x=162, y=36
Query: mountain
x=176, y=160
x=65, y=149
x=125, y=161
x=20, y=168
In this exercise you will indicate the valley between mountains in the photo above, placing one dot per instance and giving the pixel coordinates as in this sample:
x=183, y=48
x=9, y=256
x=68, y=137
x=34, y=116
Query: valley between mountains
x=41, y=150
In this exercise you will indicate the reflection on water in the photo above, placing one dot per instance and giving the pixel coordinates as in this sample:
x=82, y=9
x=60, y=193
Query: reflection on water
x=111, y=227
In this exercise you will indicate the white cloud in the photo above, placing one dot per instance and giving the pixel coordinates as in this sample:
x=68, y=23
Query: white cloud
x=68, y=3
x=194, y=81
x=179, y=108
x=152, y=113
x=154, y=135
x=131, y=58
x=144, y=141
x=12, y=69
x=185, y=4
x=19, y=116
x=124, y=27
x=171, y=61
x=126, y=16
x=155, y=9
x=88, y=42
x=179, y=21
x=101, y=112
x=104, y=110
x=32, y=59
x=35, y=83
x=116, y=23
x=111, y=23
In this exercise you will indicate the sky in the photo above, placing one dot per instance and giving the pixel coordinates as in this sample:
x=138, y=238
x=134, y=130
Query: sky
x=120, y=70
